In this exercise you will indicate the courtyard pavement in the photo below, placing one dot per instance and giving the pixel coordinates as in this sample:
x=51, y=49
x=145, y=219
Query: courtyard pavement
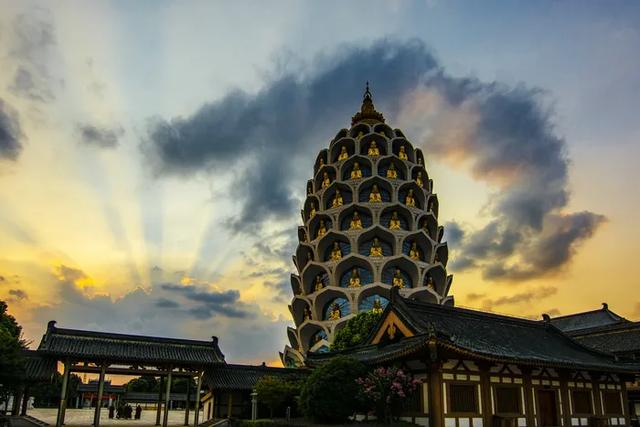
x=84, y=417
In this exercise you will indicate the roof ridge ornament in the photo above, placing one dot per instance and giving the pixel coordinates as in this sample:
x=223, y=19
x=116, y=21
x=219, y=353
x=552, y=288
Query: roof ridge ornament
x=367, y=113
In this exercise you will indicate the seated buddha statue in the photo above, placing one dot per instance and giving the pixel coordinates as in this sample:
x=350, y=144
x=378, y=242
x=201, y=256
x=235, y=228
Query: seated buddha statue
x=336, y=252
x=430, y=282
x=318, y=283
x=375, y=196
x=335, y=314
x=373, y=151
x=354, y=280
x=377, y=306
x=376, y=248
x=344, y=155
x=337, y=200
x=394, y=222
x=356, y=222
x=403, y=154
x=322, y=229
x=356, y=172
x=326, y=181
x=312, y=212
x=392, y=172
x=360, y=135
x=410, y=199
x=414, y=252
x=307, y=313
x=398, y=280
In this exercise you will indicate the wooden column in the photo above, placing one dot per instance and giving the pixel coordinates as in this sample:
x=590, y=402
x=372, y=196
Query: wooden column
x=597, y=398
x=158, y=411
x=485, y=389
x=17, y=399
x=527, y=388
x=196, y=415
x=436, y=409
x=63, y=394
x=626, y=408
x=25, y=402
x=564, y=392
x=96, y=416
x=167, y=398
x=230, y=404
x=186, y=403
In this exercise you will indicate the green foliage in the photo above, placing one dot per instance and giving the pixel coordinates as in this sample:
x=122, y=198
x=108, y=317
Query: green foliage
x=11, y=345
x=277, y=393
x=331, y=393
x=47, y=395
x=144, y=384
x=355, y=331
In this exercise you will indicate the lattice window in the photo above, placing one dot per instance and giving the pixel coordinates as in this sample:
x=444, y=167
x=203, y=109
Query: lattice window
x=612, y=404
x=463, y=398
x=581, y=402
x=508, y=400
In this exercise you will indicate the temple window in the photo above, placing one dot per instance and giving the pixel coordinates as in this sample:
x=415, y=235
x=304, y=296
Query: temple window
x=581, y=401
x=463, y=398
x=508, y=400
x=612, y=402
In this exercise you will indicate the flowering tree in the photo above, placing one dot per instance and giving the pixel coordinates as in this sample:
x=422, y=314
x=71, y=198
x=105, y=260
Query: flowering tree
x=387, y=388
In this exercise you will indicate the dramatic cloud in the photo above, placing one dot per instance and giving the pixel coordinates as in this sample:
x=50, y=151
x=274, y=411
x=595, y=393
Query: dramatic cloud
x=519, y=298
x=18, y=294
x=209, y=302
x=10, y=134
x=502, y=135
x=103, y=137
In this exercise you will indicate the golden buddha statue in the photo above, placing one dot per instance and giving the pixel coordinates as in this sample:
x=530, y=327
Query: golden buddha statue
x=336, y=314
x=322, y=229
x=354, y=280
x=410, y=199
x=344, y=155
x=377, y=306
x=337, y=200
x=392, y=172
x=430, y=282
x=394, y=222
x=307, y=313
x=356, y=172
x=312, y=212
x=326, y=181
x=419, y=180
x=376, y=248
x=373, y=151
x=360, y=135
x=356, y=222
x=414, y=252
x=398, y=280
x=403, y=154
x=318, y=284
x=375, y=196
x=336, y=252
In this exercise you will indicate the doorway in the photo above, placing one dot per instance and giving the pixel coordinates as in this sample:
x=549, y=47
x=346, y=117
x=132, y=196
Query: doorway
x=548, y=408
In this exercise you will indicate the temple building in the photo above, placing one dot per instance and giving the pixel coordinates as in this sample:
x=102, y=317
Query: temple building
x=370, y=224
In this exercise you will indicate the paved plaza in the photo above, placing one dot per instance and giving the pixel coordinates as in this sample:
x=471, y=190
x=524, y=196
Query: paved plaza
x=84, y=417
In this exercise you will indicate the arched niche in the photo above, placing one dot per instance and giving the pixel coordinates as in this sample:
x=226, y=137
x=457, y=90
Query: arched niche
x=432, y=205
x=296, y=284
x=408, y=270
x=424, y=177
x=367, y=141
x=404, y=215
x=368, y=302
x=396, y=145
x=309, y=275
x=442, y=254
x=291, y=358
x=439, y=278
x=342, y=302
x=316, y=222
x=440, y=233
x=304, y=255
x=311, y=334
x=321, y=159
x=385, y=238
x=330, y=194
x=345, y=268
x=293, y=337
x=423, y=294
x=424, y=246
x=359, y=131
x=310, y=189
x=429, y=224
x=418, y=194
x=348, y=166
x=320, y=176
x=419, y=157
x=366, y=218
x=302, y=234
x=364, y=189
x=311, y=201
x=326, y=245
x=348, y=143
x=342, y=133
x=383, y=129
x=398, y=133
x=298, y=306
x=385, y=163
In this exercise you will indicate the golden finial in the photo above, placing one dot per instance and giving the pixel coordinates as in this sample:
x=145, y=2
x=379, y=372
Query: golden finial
x=367, y=113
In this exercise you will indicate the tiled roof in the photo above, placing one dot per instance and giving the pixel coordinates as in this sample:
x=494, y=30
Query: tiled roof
x=485, y=335
x=37, y=367
x=588, y=320
x=245, y=377
x=621, y=339
x=98, y=346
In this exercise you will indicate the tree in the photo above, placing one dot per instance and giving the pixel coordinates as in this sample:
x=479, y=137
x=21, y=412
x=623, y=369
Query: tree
x=331, y=394
x=355, y=331
x=387, y=388
x=145, y=384
x=11, y=358
x=275, y=392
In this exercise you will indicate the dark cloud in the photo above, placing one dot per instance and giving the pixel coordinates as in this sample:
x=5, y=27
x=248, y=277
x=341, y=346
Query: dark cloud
x=209, y=303
x=282, y=289
x=69, y=274
x=165, y=303
x=10, y=133
x=103, y=137
x=523, y=297
x=505, y=134
x=18, y=294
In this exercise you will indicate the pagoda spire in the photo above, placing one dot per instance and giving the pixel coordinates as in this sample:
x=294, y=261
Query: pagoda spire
x=367, y=113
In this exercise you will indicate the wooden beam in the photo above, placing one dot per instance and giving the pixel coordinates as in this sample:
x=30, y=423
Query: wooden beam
x=63, y=395
x=130, y=371
x=96, y=416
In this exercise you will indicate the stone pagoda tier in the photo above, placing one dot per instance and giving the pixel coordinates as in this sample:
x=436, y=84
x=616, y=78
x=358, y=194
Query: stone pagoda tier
x=370, y=222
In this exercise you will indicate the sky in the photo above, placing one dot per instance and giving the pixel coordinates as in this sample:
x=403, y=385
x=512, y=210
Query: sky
x=154, y=154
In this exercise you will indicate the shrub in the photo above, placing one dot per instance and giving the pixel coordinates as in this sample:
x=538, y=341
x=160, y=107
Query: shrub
x=355, y=331
x=387, y=388
x=331, y=394
x=275, y=393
